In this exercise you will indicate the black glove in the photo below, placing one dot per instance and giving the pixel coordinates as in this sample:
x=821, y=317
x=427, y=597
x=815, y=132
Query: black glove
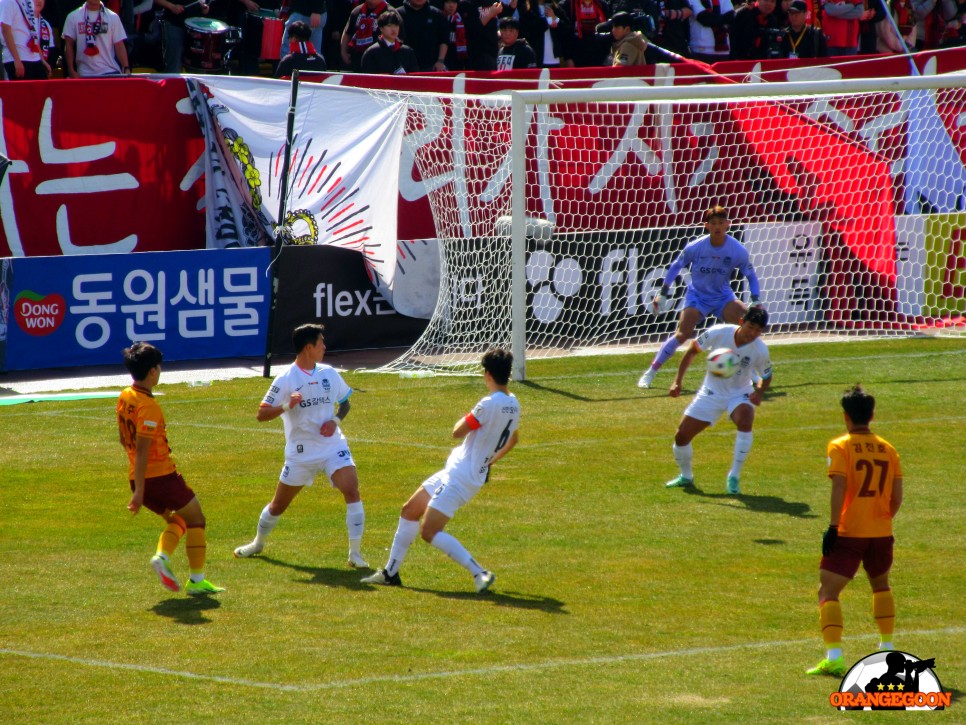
x=828, y=540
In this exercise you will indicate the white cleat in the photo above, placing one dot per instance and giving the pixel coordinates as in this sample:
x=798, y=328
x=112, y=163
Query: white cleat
x=243, y=552
x=484, y=580
x=162, y=568
x=357, y=562
x=647, y=378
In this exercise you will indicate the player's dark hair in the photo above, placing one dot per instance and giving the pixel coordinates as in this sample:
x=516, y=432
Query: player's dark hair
x=389, y=17
x=858, y=405
x=498, y=363
x=141, y=358
x=716, y=212
x=509, y=23
x=757, y=316
x=300, y=31
x=307, y=334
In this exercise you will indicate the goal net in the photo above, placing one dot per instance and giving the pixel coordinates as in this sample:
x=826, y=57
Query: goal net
x=559, y=212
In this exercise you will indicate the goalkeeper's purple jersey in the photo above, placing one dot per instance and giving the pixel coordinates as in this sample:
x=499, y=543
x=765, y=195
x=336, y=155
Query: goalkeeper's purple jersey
x=711, y=267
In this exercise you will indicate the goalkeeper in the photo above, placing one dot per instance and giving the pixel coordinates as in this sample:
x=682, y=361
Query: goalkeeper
x=711, y=259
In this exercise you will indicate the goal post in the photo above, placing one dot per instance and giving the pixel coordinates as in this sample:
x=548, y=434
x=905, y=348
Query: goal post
x=566, y=207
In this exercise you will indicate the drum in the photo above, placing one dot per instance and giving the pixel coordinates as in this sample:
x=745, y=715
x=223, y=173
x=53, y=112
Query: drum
x=264, y=31
x=207, y=43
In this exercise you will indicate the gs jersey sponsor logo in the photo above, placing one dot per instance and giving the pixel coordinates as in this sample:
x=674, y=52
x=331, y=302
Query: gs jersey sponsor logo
x=714, y=270
x=309, y=402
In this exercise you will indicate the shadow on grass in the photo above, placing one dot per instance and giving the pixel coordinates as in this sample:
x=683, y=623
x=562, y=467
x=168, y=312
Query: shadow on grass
x=956, y=696
x=502, y=599
x=760, y=504
x=186, y=610
x=573, y=396
x=769, y=542
x=346, y=578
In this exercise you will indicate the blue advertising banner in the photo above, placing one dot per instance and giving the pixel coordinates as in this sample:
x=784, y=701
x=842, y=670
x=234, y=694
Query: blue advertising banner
x=83, y=310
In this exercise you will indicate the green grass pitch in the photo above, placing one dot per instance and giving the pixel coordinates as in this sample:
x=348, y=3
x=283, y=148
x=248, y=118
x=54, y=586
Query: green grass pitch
x=615, y=600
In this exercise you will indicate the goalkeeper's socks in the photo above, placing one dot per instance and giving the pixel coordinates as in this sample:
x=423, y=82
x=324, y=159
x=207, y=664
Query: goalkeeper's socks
x=666, y=352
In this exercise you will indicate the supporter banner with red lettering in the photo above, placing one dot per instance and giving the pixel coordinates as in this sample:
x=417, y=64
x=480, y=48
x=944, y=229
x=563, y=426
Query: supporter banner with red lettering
x=116, y=165
x=99, y=166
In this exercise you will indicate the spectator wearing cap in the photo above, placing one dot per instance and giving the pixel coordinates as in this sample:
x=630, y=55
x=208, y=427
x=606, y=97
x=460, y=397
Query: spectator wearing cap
x=629, y=46
x=515, y=53
x=801, y=40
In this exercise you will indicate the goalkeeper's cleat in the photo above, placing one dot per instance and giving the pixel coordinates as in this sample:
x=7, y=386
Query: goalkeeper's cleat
x=484, y=580
x=835, y=668
x=733, y=488
x=243, y=552
x=201, y=588
x=679, y=482
x=383, y=577
x=160, y=564
x=356, y=561
x=647, y=378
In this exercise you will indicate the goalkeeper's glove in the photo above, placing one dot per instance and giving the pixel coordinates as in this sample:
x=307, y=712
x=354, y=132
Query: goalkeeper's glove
x=828, y=540
x=755, y=301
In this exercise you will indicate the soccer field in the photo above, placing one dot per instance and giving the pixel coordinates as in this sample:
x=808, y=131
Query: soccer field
x=616, y=600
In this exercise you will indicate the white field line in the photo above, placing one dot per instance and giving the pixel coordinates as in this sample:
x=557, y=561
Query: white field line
x=452, y=674
x=569, y=442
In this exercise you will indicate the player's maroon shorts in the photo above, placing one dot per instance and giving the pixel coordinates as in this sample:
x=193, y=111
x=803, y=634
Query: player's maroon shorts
x=874, y=554
x=166, y=493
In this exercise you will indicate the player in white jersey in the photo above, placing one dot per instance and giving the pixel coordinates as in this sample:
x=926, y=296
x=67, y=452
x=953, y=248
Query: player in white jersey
x=711, y=259
x=489, y=432
x=306, y=395
x=737, y=396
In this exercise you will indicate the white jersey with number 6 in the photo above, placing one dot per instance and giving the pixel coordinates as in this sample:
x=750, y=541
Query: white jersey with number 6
x=753, y=356
x=492, y=422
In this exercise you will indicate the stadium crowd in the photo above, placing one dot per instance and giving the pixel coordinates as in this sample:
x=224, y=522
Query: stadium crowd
x=45, y=38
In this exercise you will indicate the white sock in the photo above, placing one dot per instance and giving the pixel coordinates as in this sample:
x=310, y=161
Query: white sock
x=683, y=455
x=266, y=522
x=355, y=523
x=450, y=546
x=197, y=577
x=885, y=646
x=742, y=449
x=834, y=653
x=406, y=533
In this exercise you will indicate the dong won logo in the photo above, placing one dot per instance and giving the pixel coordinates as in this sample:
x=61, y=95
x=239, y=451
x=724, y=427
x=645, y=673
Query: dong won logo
x=39, y=315
x=891, y=681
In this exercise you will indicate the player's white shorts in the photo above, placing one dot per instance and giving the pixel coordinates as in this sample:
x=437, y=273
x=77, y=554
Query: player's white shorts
x=302, y=473
x=709, y=406
x=448, y=493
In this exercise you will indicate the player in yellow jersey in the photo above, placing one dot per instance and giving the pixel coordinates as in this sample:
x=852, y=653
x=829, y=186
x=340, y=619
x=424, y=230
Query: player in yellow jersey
x=866, y=495
x=155, y=482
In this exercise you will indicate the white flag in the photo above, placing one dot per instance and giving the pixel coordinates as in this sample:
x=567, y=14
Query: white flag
x=343, y=184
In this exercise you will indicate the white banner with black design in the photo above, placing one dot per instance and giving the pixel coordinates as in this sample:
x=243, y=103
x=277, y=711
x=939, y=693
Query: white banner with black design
x=343, y=184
